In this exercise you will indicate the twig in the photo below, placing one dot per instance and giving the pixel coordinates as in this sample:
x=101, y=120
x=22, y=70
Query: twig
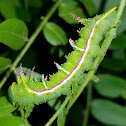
x=58, y=111
x=86, y=113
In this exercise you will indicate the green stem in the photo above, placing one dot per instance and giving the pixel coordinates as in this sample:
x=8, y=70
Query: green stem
x=89, y=96
x=90, y=74
x=104, y=48
x=120, y=10
x=25, y=120
x=58, y=111
x=29, y=43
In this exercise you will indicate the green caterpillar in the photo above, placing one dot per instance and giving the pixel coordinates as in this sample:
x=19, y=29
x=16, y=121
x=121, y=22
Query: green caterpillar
x=28, y=92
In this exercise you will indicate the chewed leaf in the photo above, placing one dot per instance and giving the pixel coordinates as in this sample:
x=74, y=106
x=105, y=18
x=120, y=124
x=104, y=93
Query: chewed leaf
x=13, y=33
x=54, y=34
x=4, y=64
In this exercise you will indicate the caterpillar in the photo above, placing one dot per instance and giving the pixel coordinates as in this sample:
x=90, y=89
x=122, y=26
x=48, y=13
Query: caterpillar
x=27, y=92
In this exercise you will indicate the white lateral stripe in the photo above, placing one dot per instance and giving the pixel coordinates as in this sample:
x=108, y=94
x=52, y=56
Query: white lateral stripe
x=53, y=89
x=73, y=45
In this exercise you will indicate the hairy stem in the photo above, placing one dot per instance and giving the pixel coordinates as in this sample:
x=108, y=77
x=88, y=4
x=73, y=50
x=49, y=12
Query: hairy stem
x=58, y=111
x=86, y=113
x=29, y=43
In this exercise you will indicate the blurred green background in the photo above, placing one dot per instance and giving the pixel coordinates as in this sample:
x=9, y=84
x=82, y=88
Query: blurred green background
x=100, y=104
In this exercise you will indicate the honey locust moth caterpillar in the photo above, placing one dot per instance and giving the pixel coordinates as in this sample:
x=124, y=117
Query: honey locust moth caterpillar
x=27, y=92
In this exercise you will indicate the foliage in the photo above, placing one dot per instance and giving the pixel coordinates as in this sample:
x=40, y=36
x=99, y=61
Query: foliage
x=99, y=104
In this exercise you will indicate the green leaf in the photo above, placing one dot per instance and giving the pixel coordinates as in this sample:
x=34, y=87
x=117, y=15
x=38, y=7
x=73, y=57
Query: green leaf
x=11, y=121
x=123, y=93
x=110, y=86
x=67, y=7
x=119, y=42
x=118, y=54
x=57, y=105
x=24, y=15
x=52, y=103
x=54, y=50
x=108, y=112
x=54, y=34
x=35, y=3
x=110, y=4
x=62, y=118
x=4, y=64
x=13, y=33
x=90, y=6
x=117, y=65
x=61, y=52
x=97, y=4
x=7, y=9
x=5, y=107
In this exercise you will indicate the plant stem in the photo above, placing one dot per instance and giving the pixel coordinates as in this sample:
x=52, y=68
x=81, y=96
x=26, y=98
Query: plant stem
x=120, y=10
x=29, y=43
x=90, y=74
x=25, y=120
x=58, y=111
x=89, y=96
x=104, y=48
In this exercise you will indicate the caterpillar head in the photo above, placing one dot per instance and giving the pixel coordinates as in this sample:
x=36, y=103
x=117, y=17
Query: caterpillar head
x=19, y=92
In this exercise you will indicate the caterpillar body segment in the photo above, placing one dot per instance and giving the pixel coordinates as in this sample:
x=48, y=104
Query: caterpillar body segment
x=28, y=92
